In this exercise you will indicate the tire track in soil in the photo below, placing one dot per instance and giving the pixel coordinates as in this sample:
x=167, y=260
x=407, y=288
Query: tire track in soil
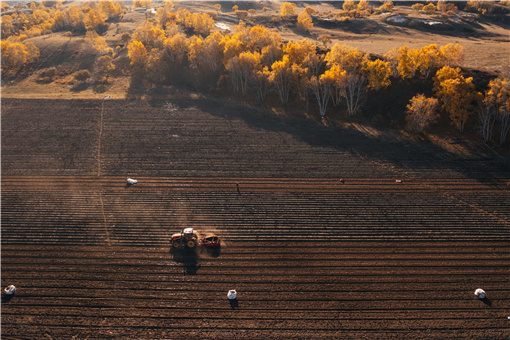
x=104, y=218
x=99, y=142
x=5, y=110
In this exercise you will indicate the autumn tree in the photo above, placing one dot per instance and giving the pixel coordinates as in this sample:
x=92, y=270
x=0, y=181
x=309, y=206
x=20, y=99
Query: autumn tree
x=348, y=58
x=364, y=8
x=421, y=113
x=378, y=74
x=349, y=5
x=103, y=68
x=354, y=92
x=429, y=9
x=287, y=9
x=260, y=82
x=482, y=7
x=456, y=95
x=281, y=78
x=322, y=88
x=97, y=42
x=7, y=26
x=94, y=20
x=498, y=98
x=150, y=35
x=325, y=39
x=206, y=54
x=69, y=19
x=241, y=15
x=137, y=54
x=427, y=59
x=200, y=23
x=392, y=57
x=417, y=7
x=218, y=8
x=241, y=69
x=304, y=22
x=235, y=44
x=165, y=17
x=176, y=49
x=16, y=55
x=299, y=50
x=386, y=7
x=182, y=14
x=450, y=55
x=110, y=8
x=314, y=63
x=405, y=63
x=444, y=74
x=261, y=37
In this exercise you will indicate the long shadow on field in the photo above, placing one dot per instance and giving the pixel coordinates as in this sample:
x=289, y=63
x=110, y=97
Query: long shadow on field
x=403, y=155
x=189, y=260
x=6, y=298
x=487, y=302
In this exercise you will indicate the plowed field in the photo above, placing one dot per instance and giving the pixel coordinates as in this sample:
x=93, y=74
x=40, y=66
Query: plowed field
x=310, y=257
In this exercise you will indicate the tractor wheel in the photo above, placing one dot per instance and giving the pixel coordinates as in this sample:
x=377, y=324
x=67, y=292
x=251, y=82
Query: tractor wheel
x=175, y=244
x=191, y=244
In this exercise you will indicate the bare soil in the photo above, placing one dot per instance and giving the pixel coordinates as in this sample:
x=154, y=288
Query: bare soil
x=395, y=251
x=310, y=256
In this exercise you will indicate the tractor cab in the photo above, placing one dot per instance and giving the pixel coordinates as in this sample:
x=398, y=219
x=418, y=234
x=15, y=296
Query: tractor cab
x=186, y=239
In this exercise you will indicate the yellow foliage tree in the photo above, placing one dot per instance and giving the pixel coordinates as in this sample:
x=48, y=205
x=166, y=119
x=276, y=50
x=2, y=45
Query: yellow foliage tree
x=429, y=9
x=98, y=42
x=103, y=68
x=364, y=8
x=417, y=7
x=150, y=36
x=498, y=97
x=450, y=54
x=378, y=74
x=456, y=94
x=386, y=7
x=15, y=55
x=206, y=54
x=7, y=26
x=176, y=49
x=406, y=66
x=168, y=4
x=200, y=23
x=241, y=69
x=94, y=20
x=165, y=17
x=281, y=77
x=137, y=54
x=421, y=113
x=347, y=57
x=110, y=9
x=443, y=74
x=287, y=9
x=349, y=5
x=297, y=51
x=427, y=59
x=182, y=14
x=304, y=22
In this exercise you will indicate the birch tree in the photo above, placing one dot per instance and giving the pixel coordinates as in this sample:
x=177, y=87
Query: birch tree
x=421, y=112
x=281, y=78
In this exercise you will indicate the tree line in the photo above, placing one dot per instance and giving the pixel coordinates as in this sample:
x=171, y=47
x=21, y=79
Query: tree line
x=255, y=61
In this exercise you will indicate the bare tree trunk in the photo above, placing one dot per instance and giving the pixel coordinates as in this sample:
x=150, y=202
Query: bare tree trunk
x=486, y=120
x=504, y=125
x=322, y=92
x=354, y=93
